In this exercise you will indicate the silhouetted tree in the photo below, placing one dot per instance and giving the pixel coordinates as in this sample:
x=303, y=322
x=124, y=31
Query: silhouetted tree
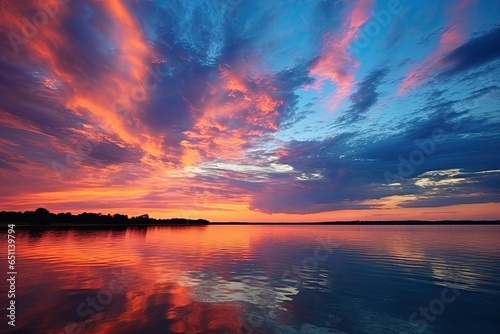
x=42, y=216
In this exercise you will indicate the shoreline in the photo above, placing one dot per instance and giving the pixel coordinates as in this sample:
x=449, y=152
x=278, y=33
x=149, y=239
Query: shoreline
x=342, y=223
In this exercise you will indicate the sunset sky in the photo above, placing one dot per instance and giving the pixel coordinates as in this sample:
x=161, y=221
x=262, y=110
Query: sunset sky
x=258, y=110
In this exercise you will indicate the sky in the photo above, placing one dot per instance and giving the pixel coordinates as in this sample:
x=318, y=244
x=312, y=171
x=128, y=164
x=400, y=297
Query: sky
x=263, y=111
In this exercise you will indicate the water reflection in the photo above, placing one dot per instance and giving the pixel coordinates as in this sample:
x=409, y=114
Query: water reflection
x=256, y=279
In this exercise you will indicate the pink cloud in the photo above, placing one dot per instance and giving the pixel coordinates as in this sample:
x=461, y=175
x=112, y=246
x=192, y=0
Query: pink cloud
x=336, y=64
x=450, y=39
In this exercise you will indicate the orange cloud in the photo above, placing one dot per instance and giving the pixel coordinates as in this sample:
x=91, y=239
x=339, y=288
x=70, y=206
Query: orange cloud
x=232, y=115
x=113, y=99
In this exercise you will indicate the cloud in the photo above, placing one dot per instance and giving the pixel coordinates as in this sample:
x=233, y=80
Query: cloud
x=437, y=186
x=348, y=171
x=335, y=63
x=365, y=96
x=474, y=53
x=450, y=38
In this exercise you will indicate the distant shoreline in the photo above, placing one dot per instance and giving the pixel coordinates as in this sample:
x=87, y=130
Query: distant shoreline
x=343, y=223
x=41, y=217
x=365, y=223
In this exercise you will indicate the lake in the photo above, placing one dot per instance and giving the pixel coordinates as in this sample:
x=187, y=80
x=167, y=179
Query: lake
x=257, y=279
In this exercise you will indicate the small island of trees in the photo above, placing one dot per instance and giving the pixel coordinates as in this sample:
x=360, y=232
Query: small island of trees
x=43, y=217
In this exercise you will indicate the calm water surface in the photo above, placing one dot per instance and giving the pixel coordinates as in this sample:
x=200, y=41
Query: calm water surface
x=258, y=279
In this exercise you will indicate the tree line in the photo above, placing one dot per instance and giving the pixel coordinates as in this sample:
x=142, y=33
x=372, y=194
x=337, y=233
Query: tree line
x=42, y=216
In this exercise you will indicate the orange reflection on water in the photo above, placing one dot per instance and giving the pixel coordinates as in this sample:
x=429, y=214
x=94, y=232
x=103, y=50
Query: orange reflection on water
x=191, y=280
